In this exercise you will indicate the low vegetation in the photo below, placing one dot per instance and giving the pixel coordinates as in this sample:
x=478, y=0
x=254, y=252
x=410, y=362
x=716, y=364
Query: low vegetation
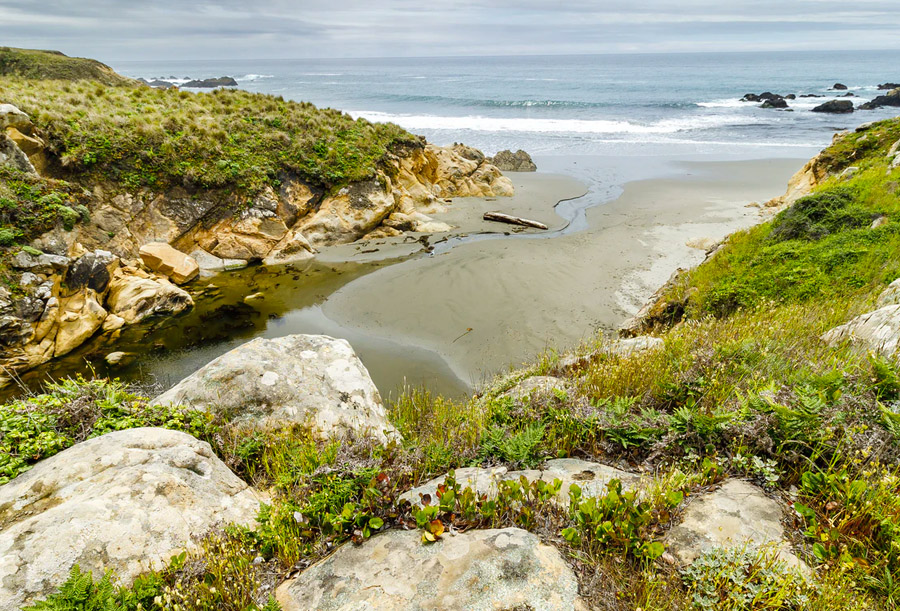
x=743, y=386
x=239, y=142
x=35, y=64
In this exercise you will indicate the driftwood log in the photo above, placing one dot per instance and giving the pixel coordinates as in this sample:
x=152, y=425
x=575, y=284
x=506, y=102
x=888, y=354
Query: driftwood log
x=512, y=220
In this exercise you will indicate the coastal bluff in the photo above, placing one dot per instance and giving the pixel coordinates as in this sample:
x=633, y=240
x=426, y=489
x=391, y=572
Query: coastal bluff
x=99, y=238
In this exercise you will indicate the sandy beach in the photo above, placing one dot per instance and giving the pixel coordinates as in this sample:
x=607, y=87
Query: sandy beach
x=487, y=305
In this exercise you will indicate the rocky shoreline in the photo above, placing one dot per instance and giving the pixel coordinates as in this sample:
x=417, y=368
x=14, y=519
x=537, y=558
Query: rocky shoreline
x=94, y=277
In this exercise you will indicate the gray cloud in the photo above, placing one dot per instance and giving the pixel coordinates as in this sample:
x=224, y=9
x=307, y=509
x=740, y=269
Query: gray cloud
x=184, y=29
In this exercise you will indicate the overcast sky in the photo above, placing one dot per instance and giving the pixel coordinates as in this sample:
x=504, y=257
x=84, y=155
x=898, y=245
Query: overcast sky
x=112, y=30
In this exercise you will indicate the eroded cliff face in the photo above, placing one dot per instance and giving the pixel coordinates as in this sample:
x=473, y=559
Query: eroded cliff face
x=291, y=222
x=76, y=283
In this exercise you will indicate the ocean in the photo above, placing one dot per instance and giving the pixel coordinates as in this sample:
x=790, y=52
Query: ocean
x=578, y=105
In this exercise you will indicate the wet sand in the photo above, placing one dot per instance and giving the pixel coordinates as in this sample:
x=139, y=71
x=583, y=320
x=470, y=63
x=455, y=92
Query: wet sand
x=491, y=304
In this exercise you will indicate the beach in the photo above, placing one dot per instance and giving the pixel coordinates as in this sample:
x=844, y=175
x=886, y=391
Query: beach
x=490, y=305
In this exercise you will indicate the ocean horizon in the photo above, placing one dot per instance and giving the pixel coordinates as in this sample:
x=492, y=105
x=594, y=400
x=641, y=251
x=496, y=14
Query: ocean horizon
x=613, y=104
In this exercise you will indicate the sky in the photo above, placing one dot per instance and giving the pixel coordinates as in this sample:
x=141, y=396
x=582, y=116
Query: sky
x=122, y=30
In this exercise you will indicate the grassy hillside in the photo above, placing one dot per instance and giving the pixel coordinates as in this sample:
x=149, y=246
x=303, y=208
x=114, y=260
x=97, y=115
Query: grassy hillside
x=137, y=136
x=742, y=387
x=35, y=64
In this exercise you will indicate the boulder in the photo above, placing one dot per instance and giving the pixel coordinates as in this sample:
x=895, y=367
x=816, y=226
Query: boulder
x=210, y=83
x=162, y=258
x=125, y=501
x=12, y=117
x=735, y=515
x=591, y=477
x=92, y=270
x=835, y=107
x=481, y=569
x=877, y=331
x=507, y=161
x=80, y=316
x=12, y=156
x=839, y=87
x=888, y=86
x=536, y=385
x=304, y=379
x=135, y=295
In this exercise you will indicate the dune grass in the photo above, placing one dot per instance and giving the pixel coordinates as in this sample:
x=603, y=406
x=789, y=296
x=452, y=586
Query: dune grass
x=136, y=136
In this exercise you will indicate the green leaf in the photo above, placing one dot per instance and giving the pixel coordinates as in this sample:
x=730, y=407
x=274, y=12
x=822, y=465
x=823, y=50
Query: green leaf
x=654, y=550
x=674, y=498
x=376, y=523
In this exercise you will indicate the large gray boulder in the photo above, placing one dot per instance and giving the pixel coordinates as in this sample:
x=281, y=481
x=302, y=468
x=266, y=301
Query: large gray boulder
x=306, y=379
x=476, y=570
x=877, y=331
x=125, y=501
x=13, y=157
x=738, y=514
x=591, y=477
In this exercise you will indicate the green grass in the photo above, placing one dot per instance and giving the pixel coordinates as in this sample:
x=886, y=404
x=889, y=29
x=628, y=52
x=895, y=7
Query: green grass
x=36, y=64
x=240, y=142
x=743, y=386
x=31, y=205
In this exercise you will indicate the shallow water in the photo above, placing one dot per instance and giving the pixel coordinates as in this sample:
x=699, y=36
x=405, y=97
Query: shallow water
x=165, y=351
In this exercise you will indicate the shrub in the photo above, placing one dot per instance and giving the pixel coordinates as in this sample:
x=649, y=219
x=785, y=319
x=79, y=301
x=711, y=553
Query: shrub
x=815, y=216
x=75, y=410
x=737, y=579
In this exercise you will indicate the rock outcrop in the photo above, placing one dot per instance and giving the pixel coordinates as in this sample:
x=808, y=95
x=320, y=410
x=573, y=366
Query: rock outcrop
x=67, y=301
x=591, y=477
x=305, y=379
x=290, y=223
x=735, y=515
x=892, y=98
x=482, y=569
x=507, y=161
x=282, y=226
x=877, y=331
x=126, y=501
